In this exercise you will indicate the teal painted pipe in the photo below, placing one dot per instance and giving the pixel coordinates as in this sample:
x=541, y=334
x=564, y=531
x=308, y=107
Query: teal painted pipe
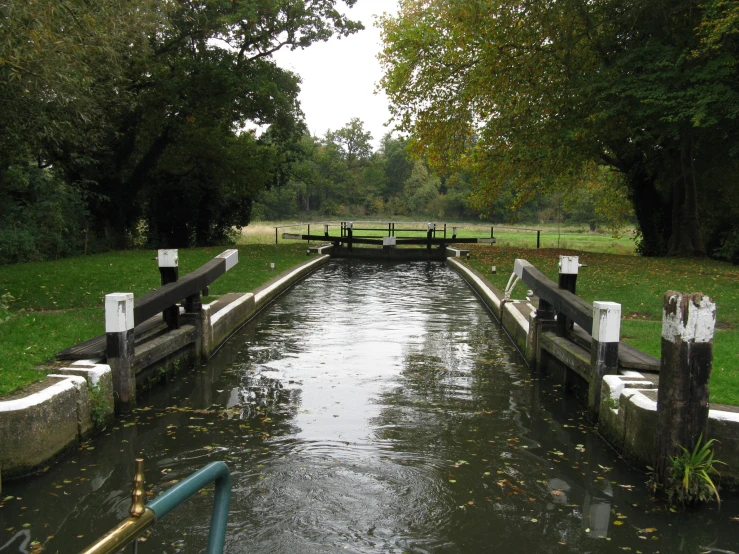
x=171, y=499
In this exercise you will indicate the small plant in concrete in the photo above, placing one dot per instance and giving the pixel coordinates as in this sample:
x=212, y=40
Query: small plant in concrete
x=690, y=475
x=99, y=407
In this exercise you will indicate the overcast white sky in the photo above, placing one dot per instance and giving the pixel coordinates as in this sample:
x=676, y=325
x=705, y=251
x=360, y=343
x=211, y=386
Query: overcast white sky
x=340, y=76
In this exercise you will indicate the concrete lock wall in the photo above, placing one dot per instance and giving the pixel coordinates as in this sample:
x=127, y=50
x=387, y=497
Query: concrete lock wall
x=36, y=428
x=78, y=400
x=628, y=402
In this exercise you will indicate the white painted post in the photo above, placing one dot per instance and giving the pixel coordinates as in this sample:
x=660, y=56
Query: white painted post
x=687, y=359
x=119, y=334
x=606, y=334
x=169, y=262
x=568, y=269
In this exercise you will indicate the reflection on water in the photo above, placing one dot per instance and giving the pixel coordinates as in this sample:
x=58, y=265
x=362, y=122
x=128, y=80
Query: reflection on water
x=374, y=408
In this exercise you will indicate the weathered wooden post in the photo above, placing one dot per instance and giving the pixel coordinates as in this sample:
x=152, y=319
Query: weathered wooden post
x=119, y=348
x=687, y=357
x=568, y=268
x=349, y=226
x=606, y=334
x=430, y=230
x=538, y=239
x=325, y=229
x=169, y=271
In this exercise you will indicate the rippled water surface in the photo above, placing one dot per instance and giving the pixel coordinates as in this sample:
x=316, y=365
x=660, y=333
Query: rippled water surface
x=374, y=408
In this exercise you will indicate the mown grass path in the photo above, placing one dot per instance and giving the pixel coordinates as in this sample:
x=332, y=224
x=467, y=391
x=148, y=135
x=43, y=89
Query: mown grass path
x=639, y=284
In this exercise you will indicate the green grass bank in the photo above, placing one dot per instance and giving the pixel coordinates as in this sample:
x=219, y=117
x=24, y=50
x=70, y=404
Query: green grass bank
x=639, y=284
x=59, y=304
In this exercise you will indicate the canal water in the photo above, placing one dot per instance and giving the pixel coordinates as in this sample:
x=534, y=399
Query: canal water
x=373, y=408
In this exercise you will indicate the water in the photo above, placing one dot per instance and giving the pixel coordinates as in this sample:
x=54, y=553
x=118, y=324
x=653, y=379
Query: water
x=374, y=408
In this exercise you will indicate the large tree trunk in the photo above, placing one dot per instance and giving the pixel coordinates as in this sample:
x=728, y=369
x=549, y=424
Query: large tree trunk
x=686, y=239
x=651, y=215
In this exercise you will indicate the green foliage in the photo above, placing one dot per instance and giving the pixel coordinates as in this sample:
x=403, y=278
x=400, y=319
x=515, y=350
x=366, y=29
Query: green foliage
x=43, y=217
x=140, y=109
x=525, y=96
x=690, y=475
x=100, y=408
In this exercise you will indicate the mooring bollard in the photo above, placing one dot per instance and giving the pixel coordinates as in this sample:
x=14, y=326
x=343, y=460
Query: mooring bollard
x=169, y=263
x=687, y=357
x=119, y=348
x=606, y=334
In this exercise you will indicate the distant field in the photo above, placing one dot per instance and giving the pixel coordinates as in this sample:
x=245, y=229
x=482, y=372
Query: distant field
x=518, y=236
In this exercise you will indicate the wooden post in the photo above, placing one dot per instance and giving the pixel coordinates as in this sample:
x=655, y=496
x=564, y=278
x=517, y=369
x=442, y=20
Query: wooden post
x=538, y=239
x=349, y=226
x=687, y=357
x=431, y=228
x=119, y=348
x=275, y=235
x=309, y=235
x=325, y=229
x=169, y=271
x=606, y=334
x=568, y=268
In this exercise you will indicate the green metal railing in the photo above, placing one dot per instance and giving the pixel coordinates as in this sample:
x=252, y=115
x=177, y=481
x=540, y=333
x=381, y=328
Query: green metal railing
x=143, y=517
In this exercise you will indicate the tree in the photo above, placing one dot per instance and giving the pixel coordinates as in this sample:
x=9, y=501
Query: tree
x=527, y=94
x=355, y=143
x=142, y=105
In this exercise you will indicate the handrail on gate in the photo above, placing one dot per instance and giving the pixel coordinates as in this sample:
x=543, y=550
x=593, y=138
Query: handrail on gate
x=143, y=517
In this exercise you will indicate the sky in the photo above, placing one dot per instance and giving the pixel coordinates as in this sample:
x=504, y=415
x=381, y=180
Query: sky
x=340, y=76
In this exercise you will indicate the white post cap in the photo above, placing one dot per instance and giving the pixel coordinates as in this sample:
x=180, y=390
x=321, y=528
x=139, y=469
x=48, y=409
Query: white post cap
x=569, y=264
x=168, y=258
x=697, y=325
x=431, y=226
x=118, y=312
x=349, y=225
x=389, y=241
x=606, y=321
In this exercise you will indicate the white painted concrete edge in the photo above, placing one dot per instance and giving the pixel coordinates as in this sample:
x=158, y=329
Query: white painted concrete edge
x=287, y=280
x=228, y=309
x=482, y=288
x=521, y=321
x=95, y=373
x=68, y=382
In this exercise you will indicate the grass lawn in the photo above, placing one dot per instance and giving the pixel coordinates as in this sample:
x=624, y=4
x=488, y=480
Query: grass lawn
x=59, y=304
x=639, y=284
